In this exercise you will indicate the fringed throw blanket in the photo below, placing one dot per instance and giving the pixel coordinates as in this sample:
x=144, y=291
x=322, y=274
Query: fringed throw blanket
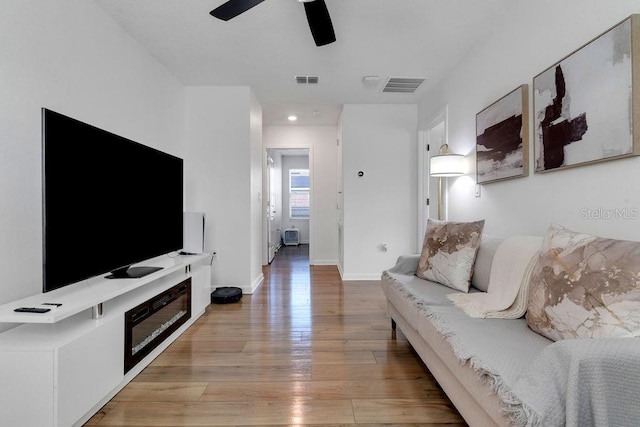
x=508, y=291
x=580, y=382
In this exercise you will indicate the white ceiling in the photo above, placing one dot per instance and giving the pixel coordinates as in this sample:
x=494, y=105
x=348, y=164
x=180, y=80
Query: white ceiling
x=268, y=45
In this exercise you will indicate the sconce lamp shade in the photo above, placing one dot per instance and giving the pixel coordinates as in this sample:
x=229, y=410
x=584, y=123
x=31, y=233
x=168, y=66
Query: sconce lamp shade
x=447, y=165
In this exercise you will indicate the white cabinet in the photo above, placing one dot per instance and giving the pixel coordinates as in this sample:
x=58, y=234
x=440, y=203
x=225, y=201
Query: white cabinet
x=88, y=368
x=27, y=400
x=52, y=374
x=59, y=373
x=200, y=287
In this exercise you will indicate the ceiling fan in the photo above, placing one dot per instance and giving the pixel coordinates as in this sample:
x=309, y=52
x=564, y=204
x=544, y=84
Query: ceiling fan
x=316, y=10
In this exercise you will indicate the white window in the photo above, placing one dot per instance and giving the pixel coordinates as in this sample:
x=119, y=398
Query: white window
x=299, y=193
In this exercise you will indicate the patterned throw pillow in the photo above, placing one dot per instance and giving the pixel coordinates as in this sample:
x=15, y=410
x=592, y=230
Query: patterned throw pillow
x=449, y=252
x=585, y=286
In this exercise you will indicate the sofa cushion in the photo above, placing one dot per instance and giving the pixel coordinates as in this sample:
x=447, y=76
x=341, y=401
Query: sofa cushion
x=409, y=293
x=484, y=260
x=585, y=286
x=449, y=253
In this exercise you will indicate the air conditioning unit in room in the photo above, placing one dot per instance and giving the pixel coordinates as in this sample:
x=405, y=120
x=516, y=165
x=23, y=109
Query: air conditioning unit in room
x=291, y=236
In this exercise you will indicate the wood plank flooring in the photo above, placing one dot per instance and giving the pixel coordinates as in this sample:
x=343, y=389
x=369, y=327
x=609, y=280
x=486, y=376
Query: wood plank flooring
x=304, y=349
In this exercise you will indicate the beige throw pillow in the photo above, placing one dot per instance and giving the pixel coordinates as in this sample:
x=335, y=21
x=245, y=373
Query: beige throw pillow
x=585, y=286
x=449, y=252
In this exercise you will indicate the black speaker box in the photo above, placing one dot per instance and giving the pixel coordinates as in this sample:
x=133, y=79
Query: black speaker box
x=226, y=295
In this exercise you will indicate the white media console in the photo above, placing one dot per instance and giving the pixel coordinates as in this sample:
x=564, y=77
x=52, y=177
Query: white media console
x=59, y=368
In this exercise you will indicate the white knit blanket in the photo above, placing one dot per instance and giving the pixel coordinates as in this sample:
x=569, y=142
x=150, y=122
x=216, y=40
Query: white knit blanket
x=508, y=290
x=583, y=382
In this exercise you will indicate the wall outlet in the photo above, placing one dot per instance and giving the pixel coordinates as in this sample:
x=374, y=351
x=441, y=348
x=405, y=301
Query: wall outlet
x=214, y=256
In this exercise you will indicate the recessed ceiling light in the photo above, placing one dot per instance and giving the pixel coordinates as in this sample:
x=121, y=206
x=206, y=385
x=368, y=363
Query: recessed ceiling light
x=292, y=118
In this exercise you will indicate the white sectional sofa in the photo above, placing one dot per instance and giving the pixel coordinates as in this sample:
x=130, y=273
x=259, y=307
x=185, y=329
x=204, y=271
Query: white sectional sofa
x=499, y=371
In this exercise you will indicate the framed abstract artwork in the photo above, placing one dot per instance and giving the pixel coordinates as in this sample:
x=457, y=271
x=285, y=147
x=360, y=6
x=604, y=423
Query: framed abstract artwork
x=502, y=138
x=585, y=106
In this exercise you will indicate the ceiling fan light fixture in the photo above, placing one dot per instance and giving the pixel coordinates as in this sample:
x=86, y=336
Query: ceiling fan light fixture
x=319, y=22
x=316, y=10
x=233, y=8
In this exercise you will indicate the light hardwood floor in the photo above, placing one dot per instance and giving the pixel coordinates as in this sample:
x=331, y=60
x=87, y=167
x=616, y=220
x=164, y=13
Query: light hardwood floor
x=304, y=349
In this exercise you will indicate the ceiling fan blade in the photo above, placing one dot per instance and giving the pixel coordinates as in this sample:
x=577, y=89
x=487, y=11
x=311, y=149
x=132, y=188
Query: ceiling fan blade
x=319, y=22
x=233, y=8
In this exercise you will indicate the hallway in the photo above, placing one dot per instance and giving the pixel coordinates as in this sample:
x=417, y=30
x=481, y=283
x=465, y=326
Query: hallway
x=304, y=349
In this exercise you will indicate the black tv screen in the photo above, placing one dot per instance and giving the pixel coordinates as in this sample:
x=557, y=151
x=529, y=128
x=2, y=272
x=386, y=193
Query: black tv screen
x=108, y=202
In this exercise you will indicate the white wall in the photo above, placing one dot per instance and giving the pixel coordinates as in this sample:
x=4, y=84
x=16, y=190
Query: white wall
x=69, y=56
x=321, y=142
x=528, y=41
x=255, y=197
x=381, y=206
x=293, y=162
x=223, y=154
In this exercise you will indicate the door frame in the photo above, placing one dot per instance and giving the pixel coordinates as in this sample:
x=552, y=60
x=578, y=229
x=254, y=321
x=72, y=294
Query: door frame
x=427, y=147
x=271, y=252
x=265, y=190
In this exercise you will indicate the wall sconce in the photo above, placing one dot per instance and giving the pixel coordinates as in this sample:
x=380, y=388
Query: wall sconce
x=445, y=165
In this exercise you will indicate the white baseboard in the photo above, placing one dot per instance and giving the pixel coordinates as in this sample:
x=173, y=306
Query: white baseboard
x=254, y=285
x=349, y=277
x=325, y=262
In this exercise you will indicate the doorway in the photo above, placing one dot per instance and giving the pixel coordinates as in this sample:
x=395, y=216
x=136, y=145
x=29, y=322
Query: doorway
x=434, y=135
x=289, y=199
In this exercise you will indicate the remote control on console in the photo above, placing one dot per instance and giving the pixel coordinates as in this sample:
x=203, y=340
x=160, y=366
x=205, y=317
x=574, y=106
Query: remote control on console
x=31, y=310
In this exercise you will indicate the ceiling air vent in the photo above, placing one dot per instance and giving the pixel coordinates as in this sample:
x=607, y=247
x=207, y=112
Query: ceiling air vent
x=303, y=80
x=402, y=84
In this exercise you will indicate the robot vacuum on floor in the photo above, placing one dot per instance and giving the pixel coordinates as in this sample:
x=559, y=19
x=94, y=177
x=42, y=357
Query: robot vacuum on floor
x=226, y=295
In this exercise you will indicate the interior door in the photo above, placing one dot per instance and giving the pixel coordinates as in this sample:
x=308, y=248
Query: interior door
x=436, y=137
x=433, y=136
x=273, y=235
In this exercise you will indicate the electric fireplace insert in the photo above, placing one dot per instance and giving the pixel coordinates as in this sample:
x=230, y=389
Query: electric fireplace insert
x=150, y=323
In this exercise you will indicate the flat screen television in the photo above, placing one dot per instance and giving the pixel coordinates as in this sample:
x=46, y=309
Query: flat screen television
x=108, y=203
